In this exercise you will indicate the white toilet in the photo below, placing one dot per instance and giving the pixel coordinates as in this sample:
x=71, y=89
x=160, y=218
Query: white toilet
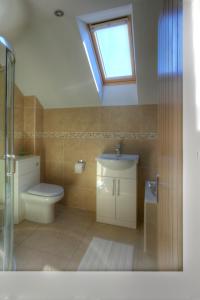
x=33, y=201
x=39, y=202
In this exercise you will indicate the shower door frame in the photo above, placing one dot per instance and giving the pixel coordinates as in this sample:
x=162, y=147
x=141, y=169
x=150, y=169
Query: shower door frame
x=9, y=158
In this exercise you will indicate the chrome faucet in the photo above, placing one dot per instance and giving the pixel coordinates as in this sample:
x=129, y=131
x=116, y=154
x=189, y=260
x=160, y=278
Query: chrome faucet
x=118, y=149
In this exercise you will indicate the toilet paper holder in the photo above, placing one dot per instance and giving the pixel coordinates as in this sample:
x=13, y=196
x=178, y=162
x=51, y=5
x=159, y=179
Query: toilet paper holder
x=81, y=161
x=79, y=166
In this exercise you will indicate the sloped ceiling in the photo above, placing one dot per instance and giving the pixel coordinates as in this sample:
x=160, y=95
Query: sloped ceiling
x=50, y=59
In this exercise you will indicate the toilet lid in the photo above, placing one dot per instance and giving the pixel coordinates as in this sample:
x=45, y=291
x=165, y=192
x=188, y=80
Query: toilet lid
x=46, y=190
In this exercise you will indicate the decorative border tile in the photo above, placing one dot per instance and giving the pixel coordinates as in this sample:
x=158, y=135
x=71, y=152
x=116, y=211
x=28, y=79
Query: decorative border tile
x=94, y=135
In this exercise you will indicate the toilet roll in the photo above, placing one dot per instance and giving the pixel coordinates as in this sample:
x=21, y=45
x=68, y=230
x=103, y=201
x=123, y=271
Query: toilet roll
x=79, y=167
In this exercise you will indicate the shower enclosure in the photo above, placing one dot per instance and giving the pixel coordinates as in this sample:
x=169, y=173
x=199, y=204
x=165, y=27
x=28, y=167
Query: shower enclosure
x=7, y=159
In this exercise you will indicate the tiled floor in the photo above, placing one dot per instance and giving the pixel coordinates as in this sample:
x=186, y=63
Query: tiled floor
x=61, y=245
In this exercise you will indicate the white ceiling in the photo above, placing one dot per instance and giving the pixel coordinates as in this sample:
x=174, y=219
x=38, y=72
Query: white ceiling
x=50, y=59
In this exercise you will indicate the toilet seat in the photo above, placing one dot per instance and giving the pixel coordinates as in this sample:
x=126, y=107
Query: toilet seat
x=46, y=190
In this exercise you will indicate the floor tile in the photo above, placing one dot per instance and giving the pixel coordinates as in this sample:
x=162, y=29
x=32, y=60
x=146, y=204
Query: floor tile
x=53, y=242
x=33, y=260
x=62, y=244
x=23, y=231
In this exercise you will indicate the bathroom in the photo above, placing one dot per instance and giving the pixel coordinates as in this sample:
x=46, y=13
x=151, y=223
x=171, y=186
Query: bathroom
x=67, y=128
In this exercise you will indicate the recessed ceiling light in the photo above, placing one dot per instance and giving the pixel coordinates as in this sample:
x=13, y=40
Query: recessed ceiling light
x=59, y=13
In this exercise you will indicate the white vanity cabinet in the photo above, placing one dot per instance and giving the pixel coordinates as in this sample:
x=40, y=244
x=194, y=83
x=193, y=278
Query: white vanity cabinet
x=126, y=202
x=106, y=188
x=117, y=193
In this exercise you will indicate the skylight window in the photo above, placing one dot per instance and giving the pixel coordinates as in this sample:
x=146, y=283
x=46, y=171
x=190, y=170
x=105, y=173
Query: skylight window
x=113, y=44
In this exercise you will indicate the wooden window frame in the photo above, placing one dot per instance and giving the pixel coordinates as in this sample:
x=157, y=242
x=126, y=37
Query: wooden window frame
x=107, y=23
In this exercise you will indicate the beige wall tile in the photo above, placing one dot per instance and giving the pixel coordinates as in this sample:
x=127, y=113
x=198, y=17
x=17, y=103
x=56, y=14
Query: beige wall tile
x=39, y=147
x=29, y=119
x=18, y=146
x=29, y=101
x=29, y=146
x=149, y=117
x=72, y=120
x=54, y=150
x=54, y=172
x=53, y=120
x=33, y=124
x=128, y=118
x=18, y=97
x=38, y=104
x=85, y=149
x=82, y=119
x=39, y=120
x=80, y=197
x=121, y=119
x=19, y=119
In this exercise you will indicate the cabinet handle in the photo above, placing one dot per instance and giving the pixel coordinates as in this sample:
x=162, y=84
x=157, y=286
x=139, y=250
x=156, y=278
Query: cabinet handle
x=113, y=187
x=118, y=192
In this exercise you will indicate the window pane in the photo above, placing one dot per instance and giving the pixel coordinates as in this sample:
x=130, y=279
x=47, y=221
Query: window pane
x=114, y=49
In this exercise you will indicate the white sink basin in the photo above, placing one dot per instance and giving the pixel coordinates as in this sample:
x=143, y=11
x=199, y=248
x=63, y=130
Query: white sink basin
x=118, y=162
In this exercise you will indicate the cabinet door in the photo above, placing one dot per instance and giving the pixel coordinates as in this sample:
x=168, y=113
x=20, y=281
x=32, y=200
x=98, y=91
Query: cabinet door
x=126, y=200
x=106, y=188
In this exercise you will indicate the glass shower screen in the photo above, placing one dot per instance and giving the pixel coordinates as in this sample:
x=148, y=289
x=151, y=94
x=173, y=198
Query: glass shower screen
x=7, y=160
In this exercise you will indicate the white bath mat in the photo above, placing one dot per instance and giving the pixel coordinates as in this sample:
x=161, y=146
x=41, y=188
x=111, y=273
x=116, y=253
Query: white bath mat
x=105, y=255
